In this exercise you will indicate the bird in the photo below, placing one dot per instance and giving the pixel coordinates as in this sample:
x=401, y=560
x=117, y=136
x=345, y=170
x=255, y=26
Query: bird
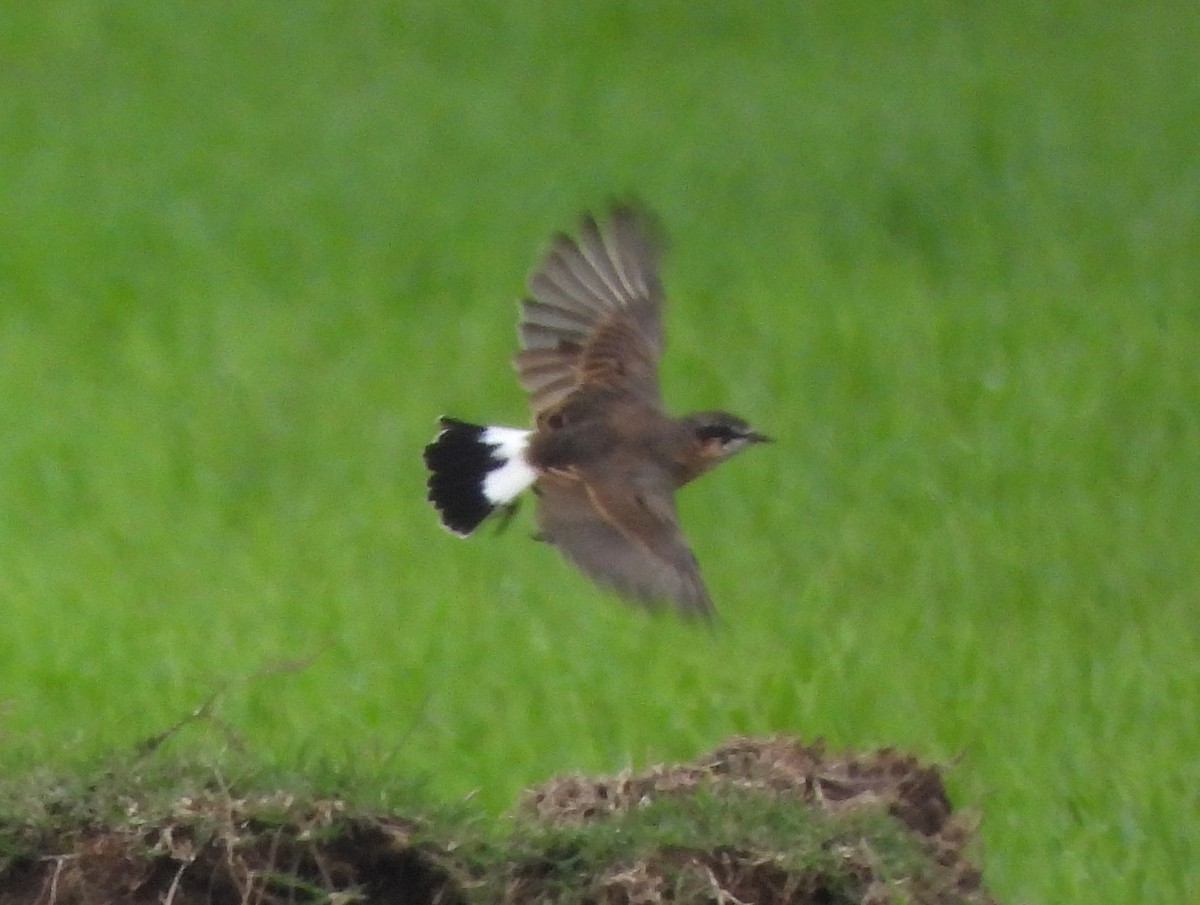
x=603, y=457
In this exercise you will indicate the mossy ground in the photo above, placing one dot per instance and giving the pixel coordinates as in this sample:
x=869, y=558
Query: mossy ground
x=765, y=821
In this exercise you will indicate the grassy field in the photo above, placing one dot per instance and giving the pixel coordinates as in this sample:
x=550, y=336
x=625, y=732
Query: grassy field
x=945, y=254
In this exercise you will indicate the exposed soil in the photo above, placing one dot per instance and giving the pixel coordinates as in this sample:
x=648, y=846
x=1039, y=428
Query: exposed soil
x=218, y=849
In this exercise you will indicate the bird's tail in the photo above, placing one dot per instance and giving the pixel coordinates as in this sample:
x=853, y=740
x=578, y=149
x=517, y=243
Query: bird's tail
x=473, y=469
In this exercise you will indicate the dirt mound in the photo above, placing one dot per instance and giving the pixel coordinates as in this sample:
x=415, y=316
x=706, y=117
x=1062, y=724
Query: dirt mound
x=217, y=849
x=784, y=770
x=764, y=821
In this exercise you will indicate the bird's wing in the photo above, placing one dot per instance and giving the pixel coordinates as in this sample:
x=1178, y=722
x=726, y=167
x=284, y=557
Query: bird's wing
x=594, y=315
x=623, y=539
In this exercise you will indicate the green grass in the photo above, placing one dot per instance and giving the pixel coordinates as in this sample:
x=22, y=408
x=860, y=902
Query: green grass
x=946, y=255
x=565, y=861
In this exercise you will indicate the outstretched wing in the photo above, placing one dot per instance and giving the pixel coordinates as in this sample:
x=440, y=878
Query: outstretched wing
x=593, y=318
x=623, y=539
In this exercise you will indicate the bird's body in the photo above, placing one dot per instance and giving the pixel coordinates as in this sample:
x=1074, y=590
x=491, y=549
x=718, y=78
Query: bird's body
x=604, y=459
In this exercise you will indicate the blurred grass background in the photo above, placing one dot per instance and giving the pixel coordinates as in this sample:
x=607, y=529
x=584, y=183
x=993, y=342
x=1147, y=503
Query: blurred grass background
x=945, y=253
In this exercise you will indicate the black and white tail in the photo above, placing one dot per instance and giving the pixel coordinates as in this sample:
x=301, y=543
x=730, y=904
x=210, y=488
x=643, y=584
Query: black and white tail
x=474, y=469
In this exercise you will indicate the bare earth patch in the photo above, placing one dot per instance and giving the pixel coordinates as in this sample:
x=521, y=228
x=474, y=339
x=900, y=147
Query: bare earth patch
x=756, y=821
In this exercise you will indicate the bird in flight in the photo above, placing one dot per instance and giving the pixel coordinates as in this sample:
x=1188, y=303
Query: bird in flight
x=604, y=459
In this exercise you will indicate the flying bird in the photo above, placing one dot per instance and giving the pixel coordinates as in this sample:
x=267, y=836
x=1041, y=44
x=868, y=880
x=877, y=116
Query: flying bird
x=604, y=458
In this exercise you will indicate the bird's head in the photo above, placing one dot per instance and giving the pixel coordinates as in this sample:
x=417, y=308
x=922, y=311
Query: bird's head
x=720, y=435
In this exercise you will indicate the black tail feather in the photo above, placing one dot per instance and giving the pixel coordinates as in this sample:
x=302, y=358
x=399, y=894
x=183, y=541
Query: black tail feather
x=458, y=461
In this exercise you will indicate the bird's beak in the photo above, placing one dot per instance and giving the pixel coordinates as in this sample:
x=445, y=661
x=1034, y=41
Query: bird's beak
x=756, y=437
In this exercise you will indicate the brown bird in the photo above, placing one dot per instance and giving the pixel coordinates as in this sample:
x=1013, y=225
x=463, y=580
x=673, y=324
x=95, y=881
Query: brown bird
x=604, y=459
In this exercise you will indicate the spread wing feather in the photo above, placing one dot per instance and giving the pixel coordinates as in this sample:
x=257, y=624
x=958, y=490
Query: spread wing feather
x=594, y=315
x=624, y=540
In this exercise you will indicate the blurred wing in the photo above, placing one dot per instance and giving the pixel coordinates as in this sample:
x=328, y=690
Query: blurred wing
x=593, y=317
x=623, y=540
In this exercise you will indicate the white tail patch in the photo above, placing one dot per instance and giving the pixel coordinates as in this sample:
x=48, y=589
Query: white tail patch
x=512, y=475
